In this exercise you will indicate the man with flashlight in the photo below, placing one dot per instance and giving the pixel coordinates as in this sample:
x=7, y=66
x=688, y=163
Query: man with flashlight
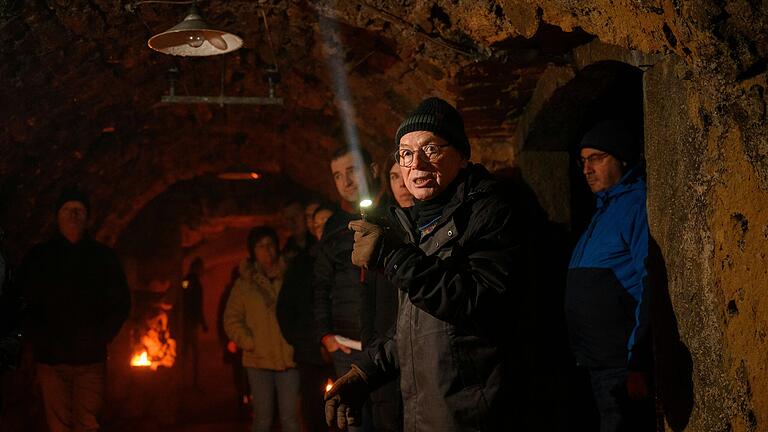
x=343, y=292
x=455, y=276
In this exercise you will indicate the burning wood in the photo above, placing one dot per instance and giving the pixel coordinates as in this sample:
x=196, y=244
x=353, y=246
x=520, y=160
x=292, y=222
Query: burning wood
x=141, y=360
x=155, y=347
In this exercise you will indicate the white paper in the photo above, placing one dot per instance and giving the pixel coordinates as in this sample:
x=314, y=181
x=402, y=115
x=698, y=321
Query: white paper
x=349, y=343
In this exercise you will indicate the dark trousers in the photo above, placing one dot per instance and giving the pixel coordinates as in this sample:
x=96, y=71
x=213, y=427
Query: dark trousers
x=387, y=408
x=618, y=413
x=73, y=396
x=313, y=381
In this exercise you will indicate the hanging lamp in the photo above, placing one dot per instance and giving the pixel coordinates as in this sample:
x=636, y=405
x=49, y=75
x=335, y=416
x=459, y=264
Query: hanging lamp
x=193, y=37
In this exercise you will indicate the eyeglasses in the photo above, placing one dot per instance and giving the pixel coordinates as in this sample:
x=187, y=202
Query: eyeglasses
x=428, y=153
x=591, y=160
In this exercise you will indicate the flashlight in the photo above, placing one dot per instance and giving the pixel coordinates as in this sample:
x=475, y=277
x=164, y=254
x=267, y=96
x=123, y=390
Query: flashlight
x=364, y=205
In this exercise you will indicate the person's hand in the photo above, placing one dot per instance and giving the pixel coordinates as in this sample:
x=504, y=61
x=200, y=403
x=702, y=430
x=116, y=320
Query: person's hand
x=331, y=344
x=343, y=402
x=232, y=347
x=367, y=236
x=325, y=355
x=637, y=385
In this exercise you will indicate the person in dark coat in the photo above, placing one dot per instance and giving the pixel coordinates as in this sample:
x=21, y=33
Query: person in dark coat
x=12, y=314
x=340, y=288
x=78, y=300
x=379, y=308
x=301, y=239
x=194, y=318
x=456, y=274
x=297, y=323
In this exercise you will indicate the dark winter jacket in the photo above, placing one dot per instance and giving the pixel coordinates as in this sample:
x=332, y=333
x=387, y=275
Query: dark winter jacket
x=452, y=341
x=294, y=308
x=291, y=248
x=78, y=300
x=336, y=281
x=604, y=297
x=338, y=284
x=379, y=297
x=192, y=300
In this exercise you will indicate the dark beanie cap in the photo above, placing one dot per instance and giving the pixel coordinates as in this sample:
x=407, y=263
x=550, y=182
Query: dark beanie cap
x=615, y=137
x=72, y=194
x=439, y=117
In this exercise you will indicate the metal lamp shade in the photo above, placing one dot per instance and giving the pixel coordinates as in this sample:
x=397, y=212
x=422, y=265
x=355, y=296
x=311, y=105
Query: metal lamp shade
x=176, y=40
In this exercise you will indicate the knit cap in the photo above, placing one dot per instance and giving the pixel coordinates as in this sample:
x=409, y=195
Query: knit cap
x=615, y=137
x=72, y=194
x=439, y=117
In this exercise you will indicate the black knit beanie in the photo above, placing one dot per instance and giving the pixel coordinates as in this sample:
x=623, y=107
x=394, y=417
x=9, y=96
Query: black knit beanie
x=439, y=117
x=615, y=137
x=72, y=194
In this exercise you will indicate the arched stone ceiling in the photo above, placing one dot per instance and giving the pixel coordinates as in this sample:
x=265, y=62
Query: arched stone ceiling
x=81, y=89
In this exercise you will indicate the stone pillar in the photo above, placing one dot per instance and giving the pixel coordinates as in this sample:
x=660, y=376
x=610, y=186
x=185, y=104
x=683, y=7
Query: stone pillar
x=708, y=214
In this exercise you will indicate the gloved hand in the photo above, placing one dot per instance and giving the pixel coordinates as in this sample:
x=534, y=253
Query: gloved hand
x=367, y=239
x=343, y=402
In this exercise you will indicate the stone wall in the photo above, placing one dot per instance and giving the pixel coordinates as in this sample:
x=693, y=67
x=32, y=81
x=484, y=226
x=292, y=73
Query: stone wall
x=707, y=209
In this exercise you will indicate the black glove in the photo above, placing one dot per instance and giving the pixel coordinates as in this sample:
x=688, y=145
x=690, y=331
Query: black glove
x=344, y=400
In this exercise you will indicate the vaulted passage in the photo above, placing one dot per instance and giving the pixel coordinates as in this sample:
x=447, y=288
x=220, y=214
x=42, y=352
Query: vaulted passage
x=172, y=177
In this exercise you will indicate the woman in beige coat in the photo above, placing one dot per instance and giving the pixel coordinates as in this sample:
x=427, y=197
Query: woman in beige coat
x=249, y=320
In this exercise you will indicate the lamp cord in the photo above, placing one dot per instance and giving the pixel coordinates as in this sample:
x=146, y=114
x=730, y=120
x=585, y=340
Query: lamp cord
x=269, y=38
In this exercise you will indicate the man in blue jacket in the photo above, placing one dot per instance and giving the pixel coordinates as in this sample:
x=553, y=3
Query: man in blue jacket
x=605, y=306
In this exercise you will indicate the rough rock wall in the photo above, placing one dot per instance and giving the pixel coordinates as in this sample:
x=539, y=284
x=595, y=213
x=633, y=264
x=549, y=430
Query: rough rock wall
x=707, y=209
x=78, y=74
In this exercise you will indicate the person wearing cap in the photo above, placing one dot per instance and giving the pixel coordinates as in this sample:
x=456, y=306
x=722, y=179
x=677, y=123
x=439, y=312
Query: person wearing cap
x=78, y=299
x=456, y=275
x=605, y=304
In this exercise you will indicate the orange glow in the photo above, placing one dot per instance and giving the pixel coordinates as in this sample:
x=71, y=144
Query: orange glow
x=155, y=347
x=328, y=385
x=141, y=360
x=239, y=175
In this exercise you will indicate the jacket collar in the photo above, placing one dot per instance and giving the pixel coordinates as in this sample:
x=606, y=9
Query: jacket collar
x=630, y=181
x=59, y=238
x=474, y=181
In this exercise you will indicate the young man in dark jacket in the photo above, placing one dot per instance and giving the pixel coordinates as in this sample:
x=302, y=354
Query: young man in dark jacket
x=350, y=302
x=605, y=303
x=456, y=276
x=78, y=300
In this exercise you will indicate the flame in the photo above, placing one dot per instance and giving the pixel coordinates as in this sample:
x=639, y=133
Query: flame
x=328, y=385
x=141, y=360
x=155, y=347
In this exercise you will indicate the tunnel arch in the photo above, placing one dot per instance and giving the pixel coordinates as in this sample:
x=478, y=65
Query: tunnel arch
x=197, y=209
x=576, y=100
x=596, y=92
x=202, y=216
